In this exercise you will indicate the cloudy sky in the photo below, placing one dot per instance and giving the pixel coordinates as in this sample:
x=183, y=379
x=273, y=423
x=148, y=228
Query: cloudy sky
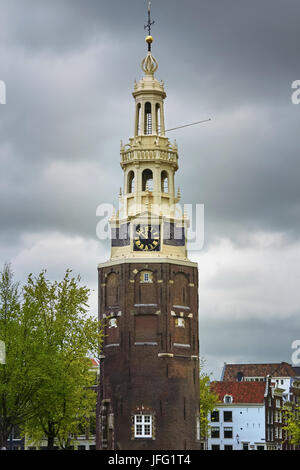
x=69, y=68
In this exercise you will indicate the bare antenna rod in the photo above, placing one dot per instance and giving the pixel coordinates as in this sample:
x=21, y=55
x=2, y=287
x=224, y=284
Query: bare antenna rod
x=188, y=125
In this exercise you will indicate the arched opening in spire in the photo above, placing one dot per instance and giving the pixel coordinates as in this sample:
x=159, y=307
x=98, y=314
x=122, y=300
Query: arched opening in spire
x=138, y=119
x=130, y=182
x=147, y=180
x=148, y=119
x=164, y=182
x=158, y=118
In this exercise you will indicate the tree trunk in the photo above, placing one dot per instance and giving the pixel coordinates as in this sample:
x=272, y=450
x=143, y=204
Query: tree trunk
x=50, y=436
x=4, y=433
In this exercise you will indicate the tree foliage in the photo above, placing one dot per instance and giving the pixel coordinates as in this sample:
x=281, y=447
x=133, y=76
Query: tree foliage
x=16, y=382
x=292, y=423
x=208, y=401
x=49, y=337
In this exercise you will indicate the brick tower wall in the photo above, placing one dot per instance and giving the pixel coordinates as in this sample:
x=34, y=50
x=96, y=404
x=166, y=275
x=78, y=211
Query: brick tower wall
x=150, y=355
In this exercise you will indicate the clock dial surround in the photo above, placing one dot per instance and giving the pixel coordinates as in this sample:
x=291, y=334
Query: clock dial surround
x=146, y=238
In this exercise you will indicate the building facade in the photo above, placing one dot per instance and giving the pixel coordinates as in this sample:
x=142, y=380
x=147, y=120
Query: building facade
x=283, y=375
x=247, y=417
x=148, y=295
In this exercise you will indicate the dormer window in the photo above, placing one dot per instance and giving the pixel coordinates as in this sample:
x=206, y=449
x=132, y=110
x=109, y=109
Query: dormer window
x=228, y=399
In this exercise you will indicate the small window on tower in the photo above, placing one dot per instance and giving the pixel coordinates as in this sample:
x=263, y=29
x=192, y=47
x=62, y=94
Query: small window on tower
x=180, y=322
x=143, y=426
x=113, y=323
x=147, y=277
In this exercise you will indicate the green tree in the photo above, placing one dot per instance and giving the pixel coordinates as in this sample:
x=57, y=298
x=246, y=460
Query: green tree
x=292, y=423
x=208, y=401
x=16, y=381
x=63, y=336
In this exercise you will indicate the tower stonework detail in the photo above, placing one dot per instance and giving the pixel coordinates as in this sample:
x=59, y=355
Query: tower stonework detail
x=148, y=296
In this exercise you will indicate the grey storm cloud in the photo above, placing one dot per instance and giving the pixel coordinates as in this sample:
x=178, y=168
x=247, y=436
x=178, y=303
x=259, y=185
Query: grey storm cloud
x=69, y=67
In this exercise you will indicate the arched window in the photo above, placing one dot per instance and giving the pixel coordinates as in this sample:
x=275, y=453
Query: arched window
x=147, y=180
x=181, y=291
x=112, y=290
x=130, y=182
x=158, y=124
x=145, y=288
x=164, y=182
x=148, y=119
x=138, y=118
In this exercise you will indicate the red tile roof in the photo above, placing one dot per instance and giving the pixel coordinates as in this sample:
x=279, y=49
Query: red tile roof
x=282, y=369
x=95, y=362
x=241, y=392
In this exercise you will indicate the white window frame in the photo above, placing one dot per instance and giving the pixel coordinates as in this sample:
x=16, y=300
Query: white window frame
x=143, y=426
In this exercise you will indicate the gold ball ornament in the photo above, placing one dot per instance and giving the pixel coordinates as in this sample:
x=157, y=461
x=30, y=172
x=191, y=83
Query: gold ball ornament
x=149, y=39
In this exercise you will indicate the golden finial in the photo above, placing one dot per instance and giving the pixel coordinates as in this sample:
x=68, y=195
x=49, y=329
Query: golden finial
x=149, y=39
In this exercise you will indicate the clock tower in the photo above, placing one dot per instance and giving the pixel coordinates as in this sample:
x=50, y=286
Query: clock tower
x=148, y=295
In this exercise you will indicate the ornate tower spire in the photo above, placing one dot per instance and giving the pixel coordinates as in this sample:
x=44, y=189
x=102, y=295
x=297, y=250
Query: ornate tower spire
x=149, y=162
x=148, y=294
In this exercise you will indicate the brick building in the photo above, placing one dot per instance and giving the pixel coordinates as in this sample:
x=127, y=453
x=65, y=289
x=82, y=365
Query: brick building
x=148, y=295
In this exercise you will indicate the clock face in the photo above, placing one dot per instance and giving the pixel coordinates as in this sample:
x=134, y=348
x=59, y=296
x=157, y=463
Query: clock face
x=146, y=238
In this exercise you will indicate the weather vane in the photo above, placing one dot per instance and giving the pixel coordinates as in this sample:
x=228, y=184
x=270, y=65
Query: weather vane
x=149, y=38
